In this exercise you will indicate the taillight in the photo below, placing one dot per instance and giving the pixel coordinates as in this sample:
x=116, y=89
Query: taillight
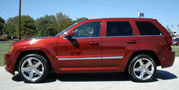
x=169, y=40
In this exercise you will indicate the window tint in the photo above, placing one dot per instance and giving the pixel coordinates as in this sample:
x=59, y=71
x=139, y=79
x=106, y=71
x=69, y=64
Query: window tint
x=147, y=28
x=119, y=29
x=91, y=29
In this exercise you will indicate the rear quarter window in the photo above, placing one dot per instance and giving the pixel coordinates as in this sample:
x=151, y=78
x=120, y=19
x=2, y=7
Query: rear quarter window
x=147, y=28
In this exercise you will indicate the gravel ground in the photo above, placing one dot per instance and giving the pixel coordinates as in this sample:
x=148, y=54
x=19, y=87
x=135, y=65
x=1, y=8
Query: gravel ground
x=166, y=79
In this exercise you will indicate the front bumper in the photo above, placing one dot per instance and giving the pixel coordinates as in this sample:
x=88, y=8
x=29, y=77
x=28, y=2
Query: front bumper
x=9, y=63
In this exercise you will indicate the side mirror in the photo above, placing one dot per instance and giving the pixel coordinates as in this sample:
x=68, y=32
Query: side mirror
x=69, y=34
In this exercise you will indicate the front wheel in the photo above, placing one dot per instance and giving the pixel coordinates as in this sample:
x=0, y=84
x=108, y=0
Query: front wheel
x=33, y=68
x=142, y=68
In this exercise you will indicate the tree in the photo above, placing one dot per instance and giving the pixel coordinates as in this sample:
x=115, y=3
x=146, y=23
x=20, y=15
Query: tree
x=43, y=26
x=27, y=26
x=60, y=18
x=46, y=26
x=64, y=21
x=2, y=22
x=11, y=26
x=81, y=19
x=65, y=24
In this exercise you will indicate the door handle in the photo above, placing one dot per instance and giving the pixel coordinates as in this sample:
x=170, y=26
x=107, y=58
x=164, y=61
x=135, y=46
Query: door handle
x=94, y=43
x=131, y=41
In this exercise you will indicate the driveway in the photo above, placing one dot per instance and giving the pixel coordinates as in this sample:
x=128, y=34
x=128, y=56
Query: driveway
x=166, y=79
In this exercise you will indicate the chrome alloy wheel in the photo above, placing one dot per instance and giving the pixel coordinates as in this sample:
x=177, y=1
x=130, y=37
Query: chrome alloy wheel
x=143, y=69
x=32, y=69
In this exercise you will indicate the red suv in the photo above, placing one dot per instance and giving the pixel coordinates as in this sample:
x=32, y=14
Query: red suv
x=135, y=45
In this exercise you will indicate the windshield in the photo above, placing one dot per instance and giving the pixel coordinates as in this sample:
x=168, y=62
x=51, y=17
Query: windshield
x=66, y=29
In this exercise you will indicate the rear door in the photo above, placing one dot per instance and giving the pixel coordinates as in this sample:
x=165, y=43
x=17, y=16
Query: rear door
x=118, y=40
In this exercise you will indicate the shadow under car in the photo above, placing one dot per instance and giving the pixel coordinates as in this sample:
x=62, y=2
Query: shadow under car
x=84, y=77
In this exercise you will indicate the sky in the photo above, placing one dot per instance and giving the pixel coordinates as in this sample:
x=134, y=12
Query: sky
x=165, y=11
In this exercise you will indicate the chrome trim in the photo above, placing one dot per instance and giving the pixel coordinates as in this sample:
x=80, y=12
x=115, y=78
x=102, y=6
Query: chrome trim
x=113, y=57
x=118, y=36
x=88, y=58
x=79, y=58
x=81, y=37
x=148, y=35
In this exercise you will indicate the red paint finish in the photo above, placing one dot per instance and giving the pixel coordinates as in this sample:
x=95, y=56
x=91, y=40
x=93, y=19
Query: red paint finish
x=91, y=54
x=117, y=46
x=79, y=48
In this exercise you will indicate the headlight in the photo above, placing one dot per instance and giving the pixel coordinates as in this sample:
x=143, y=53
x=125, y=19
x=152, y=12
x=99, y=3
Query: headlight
x=11, y=48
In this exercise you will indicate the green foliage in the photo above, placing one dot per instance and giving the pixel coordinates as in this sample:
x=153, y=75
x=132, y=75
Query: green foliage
x=63, y=21
x=64, y=24
x=4, y=48
x=81, y=19
x=2, y=22
x=60, y=16
x=176, y=50
x=11, y=26
x=43, y=26
x=27, y=26
x=46, y=26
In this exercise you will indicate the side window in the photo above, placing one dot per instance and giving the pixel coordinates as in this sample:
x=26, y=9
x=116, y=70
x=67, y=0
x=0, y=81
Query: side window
x=147, y=28
x=119, y=28
x=91, y=29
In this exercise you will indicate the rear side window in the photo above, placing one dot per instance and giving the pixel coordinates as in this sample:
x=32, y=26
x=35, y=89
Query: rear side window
x=119, y=28
x=147, y=28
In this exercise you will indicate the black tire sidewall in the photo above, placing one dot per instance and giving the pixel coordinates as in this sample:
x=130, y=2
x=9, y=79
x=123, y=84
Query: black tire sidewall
x=131, y=64
x=44, y=62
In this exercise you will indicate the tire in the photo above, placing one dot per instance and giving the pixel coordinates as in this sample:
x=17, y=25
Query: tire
x=33, y=68
x=142, y=68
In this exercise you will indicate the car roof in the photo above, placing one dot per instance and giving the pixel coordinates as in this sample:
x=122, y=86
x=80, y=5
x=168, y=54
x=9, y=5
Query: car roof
x=147, y=19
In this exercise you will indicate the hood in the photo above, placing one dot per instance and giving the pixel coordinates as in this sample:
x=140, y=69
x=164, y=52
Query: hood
x=32, y=41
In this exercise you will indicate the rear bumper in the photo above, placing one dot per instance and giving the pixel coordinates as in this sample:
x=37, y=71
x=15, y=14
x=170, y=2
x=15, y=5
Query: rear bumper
x=9, y=66
x=168, y=59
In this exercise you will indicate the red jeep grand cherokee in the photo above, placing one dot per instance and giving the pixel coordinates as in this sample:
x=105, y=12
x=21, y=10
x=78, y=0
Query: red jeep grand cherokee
x=97, y=45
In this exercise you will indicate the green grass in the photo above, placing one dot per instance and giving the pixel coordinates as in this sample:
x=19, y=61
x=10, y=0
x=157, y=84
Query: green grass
x=176, y=50
x=4, y=48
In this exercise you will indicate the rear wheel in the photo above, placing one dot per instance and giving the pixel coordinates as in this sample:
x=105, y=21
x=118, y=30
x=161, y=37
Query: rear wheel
x=142, y=68
x=33, y=68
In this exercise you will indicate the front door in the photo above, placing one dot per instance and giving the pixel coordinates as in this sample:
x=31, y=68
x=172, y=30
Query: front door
x=83, y=50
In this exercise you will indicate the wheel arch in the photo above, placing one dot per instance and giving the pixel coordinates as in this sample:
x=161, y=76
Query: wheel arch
x=26, y=52
x=147, y=52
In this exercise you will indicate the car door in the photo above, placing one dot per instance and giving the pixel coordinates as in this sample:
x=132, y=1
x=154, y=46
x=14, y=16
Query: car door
x=117, y=42
x=83, y=50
